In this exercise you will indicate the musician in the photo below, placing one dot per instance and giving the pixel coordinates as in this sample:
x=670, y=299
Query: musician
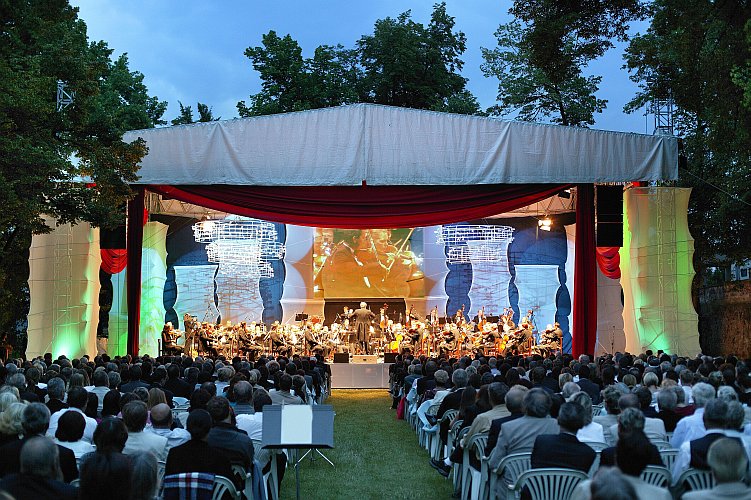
x=459, y=317
x=363, y=317
x=434, y=316
x=169, y=339
x=278, y=343
x=310, y=340
x=207, y=340
x=448, y=343
x=247, y=342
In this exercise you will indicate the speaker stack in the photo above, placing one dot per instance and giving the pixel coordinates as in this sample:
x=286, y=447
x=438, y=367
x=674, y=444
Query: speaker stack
x=609, y=208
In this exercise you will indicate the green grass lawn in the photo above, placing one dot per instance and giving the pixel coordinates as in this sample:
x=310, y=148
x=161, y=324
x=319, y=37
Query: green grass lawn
x=376, y=456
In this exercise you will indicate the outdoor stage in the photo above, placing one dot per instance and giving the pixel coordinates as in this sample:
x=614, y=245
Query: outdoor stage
x=360, y=376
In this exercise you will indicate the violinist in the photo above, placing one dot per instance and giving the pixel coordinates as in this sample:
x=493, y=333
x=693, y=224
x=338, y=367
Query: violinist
x=278, y=344
x=459, y=318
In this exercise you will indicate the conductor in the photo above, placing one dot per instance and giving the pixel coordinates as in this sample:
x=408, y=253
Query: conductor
x=363, y=317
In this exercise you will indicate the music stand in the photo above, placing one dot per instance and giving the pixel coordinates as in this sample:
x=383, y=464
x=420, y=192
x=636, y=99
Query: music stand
x=301, y=427
x=301, y=317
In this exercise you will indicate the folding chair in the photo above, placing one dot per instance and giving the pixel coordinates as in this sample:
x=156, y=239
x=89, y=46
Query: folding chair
x=544, y=484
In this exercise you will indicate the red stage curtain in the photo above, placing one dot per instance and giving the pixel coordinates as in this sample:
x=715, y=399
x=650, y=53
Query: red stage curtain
x=353, y=207
x=135, y=245
x=609, y=261
x=584, y=331
x=363, y=207
x=113, y=260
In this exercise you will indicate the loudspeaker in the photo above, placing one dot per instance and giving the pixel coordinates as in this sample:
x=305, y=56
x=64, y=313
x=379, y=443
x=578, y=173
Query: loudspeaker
x=341, y=357
x=609, y=216
x=389, y=357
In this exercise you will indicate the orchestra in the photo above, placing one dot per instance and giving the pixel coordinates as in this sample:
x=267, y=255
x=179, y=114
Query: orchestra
x=401, y=333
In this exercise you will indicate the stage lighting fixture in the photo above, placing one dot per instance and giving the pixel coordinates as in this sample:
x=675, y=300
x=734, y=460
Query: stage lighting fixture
x=544, y=224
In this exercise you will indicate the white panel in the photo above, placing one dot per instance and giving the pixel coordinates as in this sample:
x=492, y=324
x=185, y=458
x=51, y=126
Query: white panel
x=435, y=269
x=610, y=336
x=239, y=298
x=570, y=255
x=538, y=285
x=195, y=292
x=490, y=280
x=153, y=278
x=298, y=263
x=118, y=318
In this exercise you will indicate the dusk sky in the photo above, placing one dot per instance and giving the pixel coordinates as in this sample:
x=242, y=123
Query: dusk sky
x=192, y=50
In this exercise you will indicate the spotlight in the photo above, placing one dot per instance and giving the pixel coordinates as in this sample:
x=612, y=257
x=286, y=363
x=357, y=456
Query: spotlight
x=544, y=224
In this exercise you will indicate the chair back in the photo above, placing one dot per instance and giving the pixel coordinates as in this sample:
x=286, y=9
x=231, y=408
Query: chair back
x=597, y=410
x=222, y=487
x=596, y=445
x=662, y=445
x=512, y=466
x=668, y=457
x=449, y=415
x=477, y=444
x=656, y=476
x=544, y=484
x=696, y=479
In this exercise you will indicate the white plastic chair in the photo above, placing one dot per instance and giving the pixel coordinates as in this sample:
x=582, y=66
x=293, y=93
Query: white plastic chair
x=422, y=422
x=223, y=486
x=669, y=457
x=662, y=445
x=180, y=401
x=476, y=442
x=696, y=479
x=508, y=472
x=656, y=476
x=597, y=446
x=544, y=484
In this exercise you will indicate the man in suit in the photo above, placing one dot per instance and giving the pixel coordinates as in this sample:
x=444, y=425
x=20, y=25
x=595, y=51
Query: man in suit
x=564, y=449
x=587, y=385
x=135, y=414
x=174, y=383
x=519, y=435
x=728, y=461
x=40, y=475
x=515, y=405
x=451, y=402
x=225, y=436
x=35, y=420
x=694, y=453
x=196, y=455
x=135, y=380
x=363, y=317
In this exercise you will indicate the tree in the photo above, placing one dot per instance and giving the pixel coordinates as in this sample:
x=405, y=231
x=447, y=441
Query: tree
x=71, y=164
x=541, y=55
x=403, y=63
x=205, y=114
x=695, y=51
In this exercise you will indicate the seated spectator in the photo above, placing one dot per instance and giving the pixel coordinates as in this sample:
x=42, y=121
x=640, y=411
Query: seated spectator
x=610, y=484
x=564, y=449
x=654, y=428
x=35, y=421
x=692, y=427
x=441, y=386
x=632, y=457
x=667, y=402
x=56, y=394
x=78, y=399
x=140, y=441
x=630, y=422
x=694, y=453
x=243, y=393
x=91, y=406
x=69, y=434
x=591, y=431
x=40, y=476
x=569, y=389
x=196, y=455
x=145, y=481
x=519, y=435
x=729, y=463
x=10, y=422
x=592, y=389
x=107, y=466
x=610, y=396
x=283, y=396
x=225, y=436
x=101, y=386
x=300, y=389
x=135, y=374
x=161, y=425
x=18, y=381
x=111, y=404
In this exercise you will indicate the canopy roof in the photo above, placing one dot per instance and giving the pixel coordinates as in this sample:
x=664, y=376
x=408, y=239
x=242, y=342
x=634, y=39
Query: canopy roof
x=388, y=146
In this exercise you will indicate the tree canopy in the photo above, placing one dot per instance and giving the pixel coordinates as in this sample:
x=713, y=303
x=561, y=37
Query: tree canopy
x=205, y=114
x=402, y=63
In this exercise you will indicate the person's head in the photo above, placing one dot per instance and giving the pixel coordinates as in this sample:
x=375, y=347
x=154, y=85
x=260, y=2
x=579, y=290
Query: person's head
x=469, y=396
x=515, y=399
x=261, y=398
x=702, y=393
x=135, y=415
x=441, y=378
x=110, y=435
x=105, y=474
x=571, y=417
x=199, y=424
x=715, y=414
x=40, y=458
x=564, y=378
x=18, y=381
x=644, y=396
x=633, y=451
x=100, y=379
x=11, y=418
x=497, y=393
x=218, y=408
x=610, y=396
x=243, y=392
x=156, y=396
x=628, y=401
x=161, y=416
x=727, y=393
x=630, y=420
x=35, y=420
x=198, y=399
x=728, y=461
x=735, y=417
x=569, y=389
x=650, y=380
x=70, y=427
x=667, y=400
x=144, y=475
x=582, y=399
x=285, y=382
x=142, y=393
x=78, y=397
x=56, y=388
x=537, y=403
x=609, y=484
x=460, y=377
x=114, y=380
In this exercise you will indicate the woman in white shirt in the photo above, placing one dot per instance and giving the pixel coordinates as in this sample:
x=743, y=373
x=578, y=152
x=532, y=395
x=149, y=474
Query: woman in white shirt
x=69, y=433
x=592, y=431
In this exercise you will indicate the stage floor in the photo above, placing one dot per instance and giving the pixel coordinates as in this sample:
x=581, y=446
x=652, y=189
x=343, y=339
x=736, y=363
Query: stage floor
x=360, y=376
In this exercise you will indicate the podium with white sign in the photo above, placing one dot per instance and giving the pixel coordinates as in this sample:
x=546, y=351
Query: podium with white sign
x=298, y=427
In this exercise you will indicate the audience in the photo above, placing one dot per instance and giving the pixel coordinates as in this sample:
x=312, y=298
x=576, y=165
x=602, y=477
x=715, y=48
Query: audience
x=40, y=476
x=564, y=449
x=139, y=441
x=69, y=434
x=728, y=461
x=225, y=436
x=196, y=455
x=107, y=466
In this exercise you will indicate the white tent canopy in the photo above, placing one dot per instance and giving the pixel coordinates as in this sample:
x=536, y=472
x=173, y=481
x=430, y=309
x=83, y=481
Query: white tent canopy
x=383, y=145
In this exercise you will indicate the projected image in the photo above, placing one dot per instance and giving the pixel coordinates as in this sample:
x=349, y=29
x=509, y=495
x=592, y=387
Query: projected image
x=368, y=262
